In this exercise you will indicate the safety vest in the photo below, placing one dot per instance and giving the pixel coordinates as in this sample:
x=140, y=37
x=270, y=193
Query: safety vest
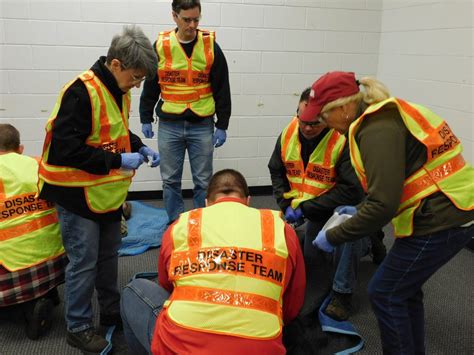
x=104, y=193
x=185, y=82
x=228, y=268
x=320, y=174
x=29, y=229
x=445, y=169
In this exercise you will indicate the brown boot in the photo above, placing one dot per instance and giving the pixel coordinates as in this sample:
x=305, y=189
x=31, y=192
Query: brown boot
x=87, y=341
x=340, y=306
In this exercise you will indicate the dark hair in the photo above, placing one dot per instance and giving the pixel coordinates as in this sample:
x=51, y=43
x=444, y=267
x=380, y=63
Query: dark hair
x=9, y=138
x=179, y=5
x=305, y=95
x=227, y=181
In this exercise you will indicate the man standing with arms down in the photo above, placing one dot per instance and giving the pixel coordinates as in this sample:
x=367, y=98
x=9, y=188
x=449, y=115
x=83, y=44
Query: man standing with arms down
x=88, y=159
x=231, y=276
x=192, y=83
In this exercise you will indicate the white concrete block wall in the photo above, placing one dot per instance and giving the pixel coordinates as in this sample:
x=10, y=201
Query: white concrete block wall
x=426, y=56
x=274, y=49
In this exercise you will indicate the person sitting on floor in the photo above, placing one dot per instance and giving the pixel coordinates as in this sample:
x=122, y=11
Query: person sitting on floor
x=32, y=259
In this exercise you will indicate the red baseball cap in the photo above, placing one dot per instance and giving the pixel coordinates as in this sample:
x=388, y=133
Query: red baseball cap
x=331, y=86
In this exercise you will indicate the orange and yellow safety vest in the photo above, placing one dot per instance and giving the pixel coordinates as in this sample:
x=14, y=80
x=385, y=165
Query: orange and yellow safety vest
x=29, y=229
x=445, y=169
x=228, y=276
x=185, y=82
x=320, y=174
x=104, y=193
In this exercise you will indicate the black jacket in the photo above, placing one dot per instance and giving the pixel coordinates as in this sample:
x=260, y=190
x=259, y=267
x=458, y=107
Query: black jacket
x=220, y=91
x=68, y=146
x=347, y=190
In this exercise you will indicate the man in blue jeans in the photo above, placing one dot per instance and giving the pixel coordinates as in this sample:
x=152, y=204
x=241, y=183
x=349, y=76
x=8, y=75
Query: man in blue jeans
x=88, y=160
x=319, y=185
x=191, y=85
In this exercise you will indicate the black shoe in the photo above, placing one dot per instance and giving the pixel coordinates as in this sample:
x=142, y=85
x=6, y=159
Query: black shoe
x=53, y=295
x=39, y=318
x=87, y=341
x=108, y=320
x=378, y=249
x=340, y=306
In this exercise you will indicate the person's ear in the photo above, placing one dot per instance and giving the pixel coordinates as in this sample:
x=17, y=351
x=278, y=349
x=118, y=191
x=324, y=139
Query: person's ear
x=115, y=65
x=205, y=200
x=21, y=147
x=248, y=200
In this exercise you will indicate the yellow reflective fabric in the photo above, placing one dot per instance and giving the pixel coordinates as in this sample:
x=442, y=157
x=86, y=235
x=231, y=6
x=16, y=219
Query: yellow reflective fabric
x=231, y=281
x=445, y=169
x=26, y=223
x=185, y=82
x=104, y=193
x=320, y=174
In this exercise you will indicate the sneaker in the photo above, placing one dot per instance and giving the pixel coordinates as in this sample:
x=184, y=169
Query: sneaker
x=39, y=318
x=108, y=320
x=378, y=249
x=340, y=306
x=87, y=341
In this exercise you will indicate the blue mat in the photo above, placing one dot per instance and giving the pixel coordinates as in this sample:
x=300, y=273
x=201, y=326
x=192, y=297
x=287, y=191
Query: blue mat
x=329, y=324
x=145, y=229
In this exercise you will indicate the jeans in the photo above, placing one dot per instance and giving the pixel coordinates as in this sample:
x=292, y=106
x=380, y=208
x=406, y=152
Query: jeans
x=395, y=289
x=325, y=271
x=174, y=138
x=92, y=248
x=142, y=301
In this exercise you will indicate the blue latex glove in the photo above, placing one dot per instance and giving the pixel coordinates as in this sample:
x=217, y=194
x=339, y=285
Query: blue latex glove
x=292, y=215
x=322, y=243
x=219, y=137
x=350, y=210
x=131, y=160
x=147, y=130
x=148, y=152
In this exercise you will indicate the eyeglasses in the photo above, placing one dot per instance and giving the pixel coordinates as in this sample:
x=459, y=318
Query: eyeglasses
x=135, y=79
x=188, y=20
x=311, y=124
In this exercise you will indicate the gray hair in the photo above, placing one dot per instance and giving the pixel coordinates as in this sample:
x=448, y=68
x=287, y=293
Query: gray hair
x=134, y=50
x=178, y=5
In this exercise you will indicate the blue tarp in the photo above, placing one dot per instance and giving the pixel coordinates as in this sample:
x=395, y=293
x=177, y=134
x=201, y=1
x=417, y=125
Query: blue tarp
x=329, y=324
x=145, y=229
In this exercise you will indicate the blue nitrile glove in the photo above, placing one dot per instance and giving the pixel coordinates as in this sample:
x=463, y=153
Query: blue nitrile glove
x=292, y=215
x=131, y=160
x=148, y=152
x=350, y=210
x=219, y=137
x=147, y=130
x=322, y=243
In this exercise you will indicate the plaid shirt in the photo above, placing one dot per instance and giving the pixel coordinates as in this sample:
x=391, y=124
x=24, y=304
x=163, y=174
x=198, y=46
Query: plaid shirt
x=30, y=283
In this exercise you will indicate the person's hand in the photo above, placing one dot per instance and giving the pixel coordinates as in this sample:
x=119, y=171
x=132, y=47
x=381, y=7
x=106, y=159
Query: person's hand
x=219, y=137
x=350, y=210
x=322, y=243
x=147, y=130
x=292, y=215
x=131, y=160
x=150, y=153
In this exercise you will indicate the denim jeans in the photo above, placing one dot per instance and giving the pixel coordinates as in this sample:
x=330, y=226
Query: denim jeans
x=142, y=301
x=174, y=138
x=93, y=261
x=337, y=271
x=395, y=289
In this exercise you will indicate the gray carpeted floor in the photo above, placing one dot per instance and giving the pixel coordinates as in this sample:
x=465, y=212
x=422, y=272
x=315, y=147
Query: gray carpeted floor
x=448, y=308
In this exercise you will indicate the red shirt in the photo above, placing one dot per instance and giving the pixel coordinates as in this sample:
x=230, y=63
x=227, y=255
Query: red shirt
x=170, y=338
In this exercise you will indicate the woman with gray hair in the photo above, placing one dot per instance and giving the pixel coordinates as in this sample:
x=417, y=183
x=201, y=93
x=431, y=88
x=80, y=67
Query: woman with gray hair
x=89, y=156
x=410, y=164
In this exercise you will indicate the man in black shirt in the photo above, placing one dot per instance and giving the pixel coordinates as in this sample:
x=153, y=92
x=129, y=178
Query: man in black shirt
x=190, y=85
x=317, y=210
x=88, y=160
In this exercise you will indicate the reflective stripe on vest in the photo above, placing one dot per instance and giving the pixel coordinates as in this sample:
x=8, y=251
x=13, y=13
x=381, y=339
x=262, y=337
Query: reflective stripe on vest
x=185, y=82
x=445, y=169
x=320, y=174
x=29, y=229
x=103, y=193
x=231, y=280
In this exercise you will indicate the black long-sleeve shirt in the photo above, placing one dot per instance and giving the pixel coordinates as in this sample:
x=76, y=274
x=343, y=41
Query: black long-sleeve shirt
x=72, y=126
x=219, y=77
x=346, y=191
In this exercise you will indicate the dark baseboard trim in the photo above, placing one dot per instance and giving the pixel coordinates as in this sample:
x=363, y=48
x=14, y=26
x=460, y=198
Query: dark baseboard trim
x=188, y=193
